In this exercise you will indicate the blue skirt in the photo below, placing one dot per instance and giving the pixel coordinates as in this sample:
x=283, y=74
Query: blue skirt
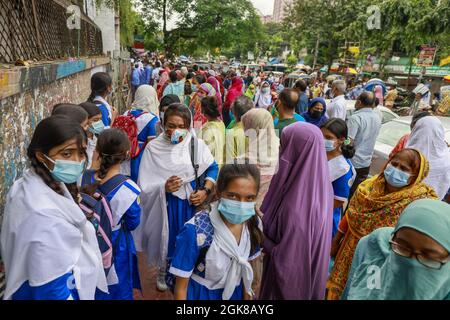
x=126, y=265
x=196, y=291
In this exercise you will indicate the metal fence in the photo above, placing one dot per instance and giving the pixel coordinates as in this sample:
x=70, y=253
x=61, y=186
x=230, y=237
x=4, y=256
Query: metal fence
x=37, y=29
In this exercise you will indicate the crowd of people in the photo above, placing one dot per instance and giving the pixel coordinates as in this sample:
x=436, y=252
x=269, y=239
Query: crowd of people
x=235, y=187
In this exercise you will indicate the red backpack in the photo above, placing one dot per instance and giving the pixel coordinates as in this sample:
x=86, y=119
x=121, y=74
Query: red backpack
x=127, y=123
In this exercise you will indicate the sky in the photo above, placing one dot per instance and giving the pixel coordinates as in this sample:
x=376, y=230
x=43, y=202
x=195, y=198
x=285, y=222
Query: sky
x=265, y=6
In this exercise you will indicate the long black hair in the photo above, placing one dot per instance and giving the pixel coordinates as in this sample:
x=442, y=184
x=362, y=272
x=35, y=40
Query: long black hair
x=228, y=173
x=100, y=82
x=50, y=133
x=113, y=147
x=339, y=128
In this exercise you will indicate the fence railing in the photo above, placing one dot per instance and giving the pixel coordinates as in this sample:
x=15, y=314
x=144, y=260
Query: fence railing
x=37, y=29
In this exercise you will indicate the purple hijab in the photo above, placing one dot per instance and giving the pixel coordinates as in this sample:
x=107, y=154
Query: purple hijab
x=298, y=218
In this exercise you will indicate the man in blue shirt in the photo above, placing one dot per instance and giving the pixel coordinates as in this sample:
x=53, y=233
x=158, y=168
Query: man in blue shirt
x=303, y=101
x=135, y=79
x=147, y=72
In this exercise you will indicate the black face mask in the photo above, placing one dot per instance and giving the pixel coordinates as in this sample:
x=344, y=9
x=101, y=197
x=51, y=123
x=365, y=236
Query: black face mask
x=316, y=114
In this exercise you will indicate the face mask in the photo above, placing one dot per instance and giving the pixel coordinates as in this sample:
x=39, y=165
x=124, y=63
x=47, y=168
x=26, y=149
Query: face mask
x=329, y=145
x=178, y=136
x=194, y=88
x=316, y=114
x=66, y=171
x=236, y=212
x=395, y=177
x=97, y=127
x=265, y=90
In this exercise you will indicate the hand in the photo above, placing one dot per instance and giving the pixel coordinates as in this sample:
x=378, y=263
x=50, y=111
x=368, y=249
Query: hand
x=173, y=184
x=198, y=198
x=115, y=112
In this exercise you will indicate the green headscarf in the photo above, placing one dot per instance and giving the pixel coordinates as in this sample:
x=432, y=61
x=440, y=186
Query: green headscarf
x=378, y=273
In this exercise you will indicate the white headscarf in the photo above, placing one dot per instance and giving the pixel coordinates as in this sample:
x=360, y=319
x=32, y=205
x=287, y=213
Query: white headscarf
x=428, y=137
x=263, y=100
x=146, y=99
x=160, y=161
x=240, y=268
x=46, y=235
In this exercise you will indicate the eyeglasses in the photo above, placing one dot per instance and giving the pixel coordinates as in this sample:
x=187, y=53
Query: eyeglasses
x=408, y=253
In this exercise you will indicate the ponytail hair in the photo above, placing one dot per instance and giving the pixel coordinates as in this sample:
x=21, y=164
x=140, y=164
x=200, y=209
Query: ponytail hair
x=339, y=128
x=228, y=173
x=50, y=133
x=100, y=82
x=113, y=147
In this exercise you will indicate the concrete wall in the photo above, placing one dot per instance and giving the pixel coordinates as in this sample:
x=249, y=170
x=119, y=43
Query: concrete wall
x=27, y=95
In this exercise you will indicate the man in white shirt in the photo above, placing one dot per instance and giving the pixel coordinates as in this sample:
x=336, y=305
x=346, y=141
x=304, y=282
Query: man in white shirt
x=155, y=73
x=337, y=107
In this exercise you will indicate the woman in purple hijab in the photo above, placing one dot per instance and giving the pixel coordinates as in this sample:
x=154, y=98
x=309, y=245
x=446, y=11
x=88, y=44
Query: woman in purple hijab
x=298, y=218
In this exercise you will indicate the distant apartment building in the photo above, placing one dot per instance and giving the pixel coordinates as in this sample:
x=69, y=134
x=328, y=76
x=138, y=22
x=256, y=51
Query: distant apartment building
x=278, y=9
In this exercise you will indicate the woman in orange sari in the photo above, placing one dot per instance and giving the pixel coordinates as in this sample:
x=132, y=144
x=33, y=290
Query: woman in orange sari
x=377, y=203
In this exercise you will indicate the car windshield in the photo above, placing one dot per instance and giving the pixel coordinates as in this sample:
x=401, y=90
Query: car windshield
x=392, y=131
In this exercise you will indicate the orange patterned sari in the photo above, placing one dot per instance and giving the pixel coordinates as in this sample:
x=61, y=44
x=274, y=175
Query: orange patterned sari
x=369, y=209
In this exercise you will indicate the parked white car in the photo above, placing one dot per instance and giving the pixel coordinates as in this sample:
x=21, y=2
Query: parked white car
x=390, y=134
x=387, y=114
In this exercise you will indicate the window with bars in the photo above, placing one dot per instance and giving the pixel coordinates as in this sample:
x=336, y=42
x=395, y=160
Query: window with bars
x=37, y=30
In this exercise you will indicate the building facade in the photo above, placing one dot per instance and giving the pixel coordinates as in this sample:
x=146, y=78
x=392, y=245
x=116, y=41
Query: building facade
x=279, y=9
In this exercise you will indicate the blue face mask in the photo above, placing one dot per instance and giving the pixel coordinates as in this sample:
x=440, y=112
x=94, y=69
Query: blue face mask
x=97, y=127
x=66, y=171
x=329, y=145
x=194, y=88
x=396, y=177
x=236, y=212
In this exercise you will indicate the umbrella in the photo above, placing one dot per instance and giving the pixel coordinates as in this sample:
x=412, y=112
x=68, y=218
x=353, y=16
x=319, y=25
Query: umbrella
x=375, y=82
x=447, y=78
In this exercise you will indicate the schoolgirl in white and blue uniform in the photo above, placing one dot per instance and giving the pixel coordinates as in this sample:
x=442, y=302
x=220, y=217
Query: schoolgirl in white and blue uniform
x=342, y=173
x=123, y=196
x=167, y=180
x=210, y=261
x=101, y=87
x=49, y=248
x=144, y=110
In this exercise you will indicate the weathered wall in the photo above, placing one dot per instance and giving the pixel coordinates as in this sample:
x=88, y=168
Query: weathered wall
x=27, y=96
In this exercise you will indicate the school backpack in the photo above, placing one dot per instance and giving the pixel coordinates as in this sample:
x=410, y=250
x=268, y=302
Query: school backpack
x=127, y=123
x=98, y=211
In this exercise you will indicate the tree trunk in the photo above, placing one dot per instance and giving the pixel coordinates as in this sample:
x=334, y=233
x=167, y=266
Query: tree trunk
x=165, y=26
x=330, y=55
x=411, y=57
x=316, y=51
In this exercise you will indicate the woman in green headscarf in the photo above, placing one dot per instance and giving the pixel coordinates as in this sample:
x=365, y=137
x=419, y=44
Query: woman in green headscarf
x=408, y=262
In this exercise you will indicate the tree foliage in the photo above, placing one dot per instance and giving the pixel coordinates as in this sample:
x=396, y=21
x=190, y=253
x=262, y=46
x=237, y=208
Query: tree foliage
x=405, y=24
